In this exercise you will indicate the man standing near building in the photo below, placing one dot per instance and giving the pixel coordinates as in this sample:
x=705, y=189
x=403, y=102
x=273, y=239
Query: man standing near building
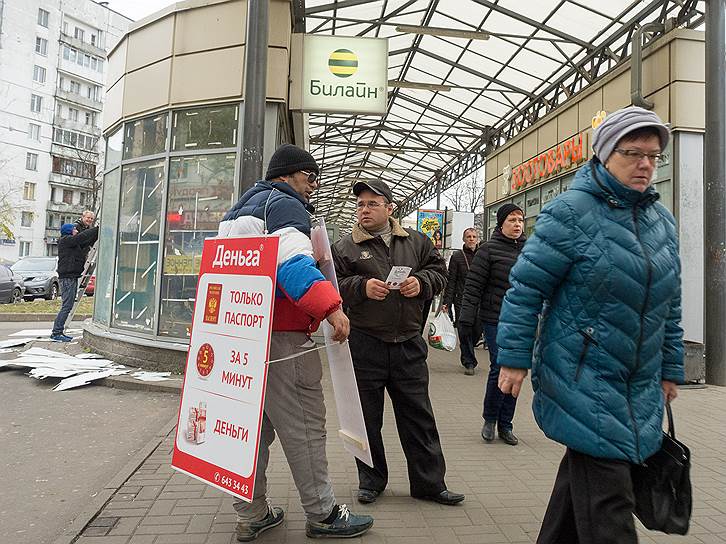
x=385, y=340
x=294, y=405
x=459, y=266
x=86, y=221
x=72, y=250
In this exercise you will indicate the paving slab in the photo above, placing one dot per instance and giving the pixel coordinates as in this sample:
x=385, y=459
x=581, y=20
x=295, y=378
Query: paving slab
x=507, y=487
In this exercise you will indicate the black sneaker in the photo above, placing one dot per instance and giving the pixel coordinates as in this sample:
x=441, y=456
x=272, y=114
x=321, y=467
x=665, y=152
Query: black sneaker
x=469, y=370
x=367, y=496
x=247, y=531
x=345, y=525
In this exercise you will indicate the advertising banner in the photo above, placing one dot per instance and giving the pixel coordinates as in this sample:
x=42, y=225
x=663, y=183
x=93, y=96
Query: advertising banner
x=224, y=384
x=345, y=388
x=431, y=223
x=339, y=74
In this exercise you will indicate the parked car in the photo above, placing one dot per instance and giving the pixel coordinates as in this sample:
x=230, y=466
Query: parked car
x=91, y=287
x=12, y=287
x=40, y=277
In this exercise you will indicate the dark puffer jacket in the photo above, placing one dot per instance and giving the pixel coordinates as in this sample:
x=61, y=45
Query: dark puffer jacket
x=72, y=252
x=459, y=266
x=488, y=279
x=603, y=271
x=360, y=256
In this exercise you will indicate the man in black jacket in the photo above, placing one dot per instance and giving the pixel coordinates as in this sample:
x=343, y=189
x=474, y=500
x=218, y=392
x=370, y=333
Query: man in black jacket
x=385, y=340
x=72, y=251
x=486, y=284
x=459, y=266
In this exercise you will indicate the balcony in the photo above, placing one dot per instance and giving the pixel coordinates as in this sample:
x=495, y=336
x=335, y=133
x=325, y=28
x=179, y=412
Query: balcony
x=83, y=101
x=52, y=234
x=78, y=126
x=62, y=207
x=76, y=153
x=70, y=182
x=83, y=46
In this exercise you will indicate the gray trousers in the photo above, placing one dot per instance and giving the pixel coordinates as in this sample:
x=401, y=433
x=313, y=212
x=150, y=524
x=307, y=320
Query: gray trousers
x=68, y=288
x=295, y=410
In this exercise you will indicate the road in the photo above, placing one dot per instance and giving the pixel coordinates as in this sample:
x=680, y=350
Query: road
x=60, y=448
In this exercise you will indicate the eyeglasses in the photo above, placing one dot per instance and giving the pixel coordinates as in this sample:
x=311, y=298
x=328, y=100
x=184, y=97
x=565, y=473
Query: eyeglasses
x=636, y=156
x=312, y=176
x=373, y=205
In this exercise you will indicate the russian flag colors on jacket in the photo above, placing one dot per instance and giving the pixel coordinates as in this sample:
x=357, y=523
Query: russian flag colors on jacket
x=303, y=297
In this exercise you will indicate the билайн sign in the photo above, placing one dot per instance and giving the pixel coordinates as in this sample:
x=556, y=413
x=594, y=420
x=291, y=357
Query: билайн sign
x=553, y=161
x=338, y=74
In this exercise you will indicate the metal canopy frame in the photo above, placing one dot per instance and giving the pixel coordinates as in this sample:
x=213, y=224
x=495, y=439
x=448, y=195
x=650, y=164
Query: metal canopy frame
x=453, y=100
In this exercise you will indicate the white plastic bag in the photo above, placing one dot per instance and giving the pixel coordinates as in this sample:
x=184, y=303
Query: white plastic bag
x=442, y=334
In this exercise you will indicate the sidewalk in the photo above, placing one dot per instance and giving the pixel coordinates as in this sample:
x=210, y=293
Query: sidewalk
x=506, y=487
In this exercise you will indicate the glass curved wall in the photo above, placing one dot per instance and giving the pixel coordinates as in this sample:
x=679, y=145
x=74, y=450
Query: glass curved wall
x=169, y=178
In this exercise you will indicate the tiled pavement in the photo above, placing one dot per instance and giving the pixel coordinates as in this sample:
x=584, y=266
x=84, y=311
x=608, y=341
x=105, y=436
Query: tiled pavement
x=506, y=487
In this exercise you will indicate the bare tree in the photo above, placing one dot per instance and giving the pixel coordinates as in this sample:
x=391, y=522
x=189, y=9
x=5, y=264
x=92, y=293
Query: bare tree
x=468, y=194
x=92, y=160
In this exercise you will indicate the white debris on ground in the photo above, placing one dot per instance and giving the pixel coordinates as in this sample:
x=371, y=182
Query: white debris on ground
x=145, y=376
x=74, y=371
x=38, y=333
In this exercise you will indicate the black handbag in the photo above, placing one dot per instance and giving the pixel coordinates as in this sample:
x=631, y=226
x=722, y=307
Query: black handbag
x=662, y=485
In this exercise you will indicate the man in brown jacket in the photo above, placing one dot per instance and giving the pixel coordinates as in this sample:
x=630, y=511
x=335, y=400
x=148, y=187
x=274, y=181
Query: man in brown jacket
x=385, y=340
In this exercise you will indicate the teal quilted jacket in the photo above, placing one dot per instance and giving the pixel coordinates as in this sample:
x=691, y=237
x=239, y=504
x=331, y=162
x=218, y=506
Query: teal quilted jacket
x=601, y=278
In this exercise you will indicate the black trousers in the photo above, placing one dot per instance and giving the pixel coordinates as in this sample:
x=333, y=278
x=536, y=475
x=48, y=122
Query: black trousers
x=592, y=503
x=468, y=341
x=400, y=369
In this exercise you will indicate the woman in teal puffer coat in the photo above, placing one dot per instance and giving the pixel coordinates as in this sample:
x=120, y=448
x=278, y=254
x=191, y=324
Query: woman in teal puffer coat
x=601, y=277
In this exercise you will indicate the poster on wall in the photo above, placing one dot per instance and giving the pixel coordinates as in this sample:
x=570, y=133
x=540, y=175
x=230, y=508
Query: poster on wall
x=223, y=395
x=431, y=223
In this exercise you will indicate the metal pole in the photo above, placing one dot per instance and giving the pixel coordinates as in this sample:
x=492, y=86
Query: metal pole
x=714, y=193
x=253, y=133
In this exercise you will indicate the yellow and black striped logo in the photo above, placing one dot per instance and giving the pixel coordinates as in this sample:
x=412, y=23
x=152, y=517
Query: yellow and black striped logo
x=343, y=63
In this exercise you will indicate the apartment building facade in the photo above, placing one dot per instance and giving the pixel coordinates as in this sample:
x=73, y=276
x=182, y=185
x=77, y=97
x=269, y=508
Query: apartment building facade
x=52, y=74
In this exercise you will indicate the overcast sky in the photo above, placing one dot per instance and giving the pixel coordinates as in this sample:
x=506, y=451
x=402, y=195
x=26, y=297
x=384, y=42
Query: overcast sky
x=137, y=9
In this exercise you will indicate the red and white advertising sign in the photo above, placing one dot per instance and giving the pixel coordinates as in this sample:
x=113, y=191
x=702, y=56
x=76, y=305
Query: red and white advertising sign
x=224, y=385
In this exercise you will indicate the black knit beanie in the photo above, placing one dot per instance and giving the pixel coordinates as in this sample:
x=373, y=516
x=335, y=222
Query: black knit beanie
x=288, y=159
x=504, y=211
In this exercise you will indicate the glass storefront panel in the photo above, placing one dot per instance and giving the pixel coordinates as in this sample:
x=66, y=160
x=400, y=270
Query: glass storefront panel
x=665, y=190
x=201, y=190
x=145, y=136
x=140, y=216
x=565, y=182
x=205, y=128
x=550, y=191
x=532, y=203
x=114, y=148
x=106, y=247
x=519, y=200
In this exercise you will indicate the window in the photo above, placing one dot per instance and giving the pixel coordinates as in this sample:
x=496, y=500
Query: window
x=43, y=17
x=26, y=219
x=65, y=219
x=75, y=87
x=29, y=190
x=204, y=128
x=82, y=199
x=38, y=74
x=200, y=190
x=73, y=114
x=67, y=196
x=100, y=65
x=93, y=39
x=51, y=221
x=71, y=167
x=78, y=34
x=89, y=118
x=142, y=187
x=94, y=63
x=41, y=46
x=31, y=161
x=24, y=247
x=86, y=60
x=36, y=103
x=34, y=132
x=145, y=136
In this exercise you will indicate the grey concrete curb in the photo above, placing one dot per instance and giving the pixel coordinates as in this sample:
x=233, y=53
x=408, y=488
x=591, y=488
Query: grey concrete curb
x=37, y=317
x=73, y=531
x=172, y=385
